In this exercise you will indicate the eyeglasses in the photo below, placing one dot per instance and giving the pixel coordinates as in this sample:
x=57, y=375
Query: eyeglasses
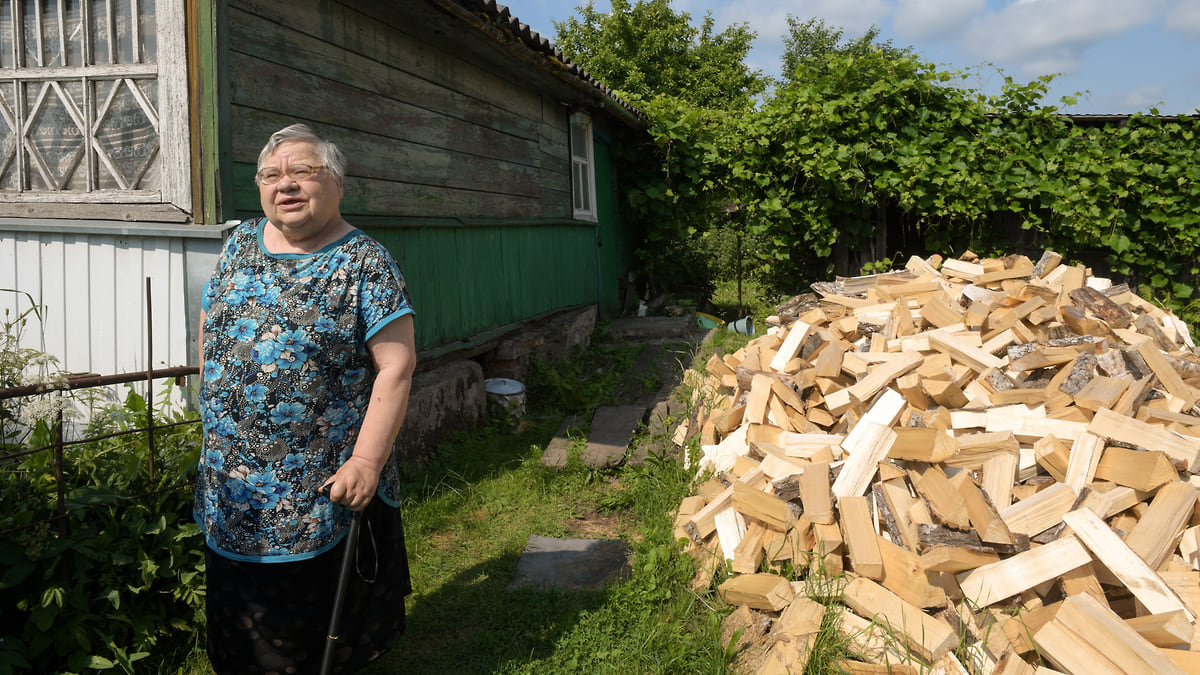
x=297, y=172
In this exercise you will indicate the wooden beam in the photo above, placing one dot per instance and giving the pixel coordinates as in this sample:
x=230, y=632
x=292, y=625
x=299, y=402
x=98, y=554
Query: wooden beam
x=924, y=634
x=860, y=536
x=983, y=515
x=769, y=509
x=943, y=498
x=922, y=444
x=1028, y=425
x=1170, y=629
x=1071, y=652
x=748, y=554
x=897, y=502
x=756, y=400
x=1166, y=374
x=767, y=592
x=963, y=352
x=1040, y=512
x=1126, y=565
x=1101, y=392
x=1052, y=456
x=1085, y=455
x=882, y=375
x=791, y=345
x=1120, y=644
x=992, y=583
x=1139, y=469
x=1117, y=427
x=867, y=444
x=1157, y=533
x=905, y=574
x=815, y=495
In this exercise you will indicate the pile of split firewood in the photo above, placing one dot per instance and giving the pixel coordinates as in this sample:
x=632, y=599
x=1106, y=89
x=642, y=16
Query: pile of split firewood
x=990, y=460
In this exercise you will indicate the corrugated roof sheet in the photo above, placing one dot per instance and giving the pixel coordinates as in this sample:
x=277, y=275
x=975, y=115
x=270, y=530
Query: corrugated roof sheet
x=501, y=17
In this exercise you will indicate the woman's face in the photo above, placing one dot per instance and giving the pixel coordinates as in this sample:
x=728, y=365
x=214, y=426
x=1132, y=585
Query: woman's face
x=300, y=209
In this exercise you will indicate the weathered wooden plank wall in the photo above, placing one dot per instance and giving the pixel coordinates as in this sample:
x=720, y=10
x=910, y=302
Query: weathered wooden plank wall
x=427, y=134
x=469, y=160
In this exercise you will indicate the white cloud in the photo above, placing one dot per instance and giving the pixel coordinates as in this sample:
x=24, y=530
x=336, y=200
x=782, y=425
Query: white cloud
x=1049, y=36
x=917, y=20
x=1184, y=18
x=1140, y=98
x=855, y=17
x=768, y=19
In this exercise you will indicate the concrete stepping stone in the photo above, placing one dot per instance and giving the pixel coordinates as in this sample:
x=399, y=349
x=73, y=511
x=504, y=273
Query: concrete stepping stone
x=571, y=564
x=555, y=455
x=662, y=408
x=652, y=328
x=612, y=428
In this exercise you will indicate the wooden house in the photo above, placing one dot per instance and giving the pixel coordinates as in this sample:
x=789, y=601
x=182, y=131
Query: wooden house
x=130, y=132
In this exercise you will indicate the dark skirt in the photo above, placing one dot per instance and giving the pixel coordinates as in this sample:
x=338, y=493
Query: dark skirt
x=273, y=618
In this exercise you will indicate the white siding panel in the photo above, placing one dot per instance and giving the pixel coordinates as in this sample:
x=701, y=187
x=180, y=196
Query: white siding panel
x=102, y=305
x=178, y=347
x=158, y=261
x=128, y=314
x=54, y=316
x=8, y=279
x=29, y=278
x=76, y=357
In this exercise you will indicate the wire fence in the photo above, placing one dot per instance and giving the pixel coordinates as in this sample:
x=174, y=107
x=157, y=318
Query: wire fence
x=59, y=447
x=60, y=444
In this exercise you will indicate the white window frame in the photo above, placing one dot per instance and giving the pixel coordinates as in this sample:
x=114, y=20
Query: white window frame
x=583, y=167
x=98, y=73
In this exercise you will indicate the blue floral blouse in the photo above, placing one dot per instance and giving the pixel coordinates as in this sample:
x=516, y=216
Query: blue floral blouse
x=287, y=377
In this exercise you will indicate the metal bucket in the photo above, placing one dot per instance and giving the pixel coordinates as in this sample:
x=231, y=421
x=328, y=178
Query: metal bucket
x=745, y=326
x=506, y=396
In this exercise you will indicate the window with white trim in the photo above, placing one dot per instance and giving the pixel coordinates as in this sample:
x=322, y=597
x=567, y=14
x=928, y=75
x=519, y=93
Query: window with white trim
x=93, y=102
x=583, y=167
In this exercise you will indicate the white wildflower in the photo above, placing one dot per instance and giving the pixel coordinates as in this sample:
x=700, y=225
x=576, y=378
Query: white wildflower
x=46, y=409
x=41, y=379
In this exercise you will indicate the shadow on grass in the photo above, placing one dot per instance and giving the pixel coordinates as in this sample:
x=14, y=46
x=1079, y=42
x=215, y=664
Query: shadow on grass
x=475, y=624
x=471, y=622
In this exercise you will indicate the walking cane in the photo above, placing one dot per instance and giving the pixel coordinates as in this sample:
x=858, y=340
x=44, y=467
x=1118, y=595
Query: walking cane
x=339, y=595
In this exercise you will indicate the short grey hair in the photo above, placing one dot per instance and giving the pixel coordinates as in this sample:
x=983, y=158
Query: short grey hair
x=331, y=157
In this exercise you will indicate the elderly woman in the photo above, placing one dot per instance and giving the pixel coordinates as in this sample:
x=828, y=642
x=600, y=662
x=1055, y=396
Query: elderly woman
x=307, y=357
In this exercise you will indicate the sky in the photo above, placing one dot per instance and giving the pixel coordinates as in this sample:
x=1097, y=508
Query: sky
x=1114, y=56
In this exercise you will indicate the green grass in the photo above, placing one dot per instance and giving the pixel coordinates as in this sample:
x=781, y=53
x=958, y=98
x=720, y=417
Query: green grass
x=468, y=517
x=755, y=302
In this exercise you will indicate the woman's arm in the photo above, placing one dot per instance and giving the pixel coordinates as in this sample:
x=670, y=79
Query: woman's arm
x=393, y=349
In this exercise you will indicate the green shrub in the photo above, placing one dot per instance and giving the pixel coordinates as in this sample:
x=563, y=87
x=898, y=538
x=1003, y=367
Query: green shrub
x=118, y=581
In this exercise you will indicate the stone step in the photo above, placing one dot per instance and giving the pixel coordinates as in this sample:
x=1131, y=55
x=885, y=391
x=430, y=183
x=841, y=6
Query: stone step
x=612, y=429
x=555, y=455
x=571, y=564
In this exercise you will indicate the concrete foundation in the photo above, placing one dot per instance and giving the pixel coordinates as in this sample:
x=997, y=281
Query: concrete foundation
x=443, y=400
x=551, y=339
x=449, y=394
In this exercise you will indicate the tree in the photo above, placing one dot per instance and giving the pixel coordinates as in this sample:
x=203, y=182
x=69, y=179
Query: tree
x=645, y=49
x=812, y=41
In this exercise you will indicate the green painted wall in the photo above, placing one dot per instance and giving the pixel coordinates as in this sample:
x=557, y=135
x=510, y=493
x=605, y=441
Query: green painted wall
x=468, y=279
x=618, y=240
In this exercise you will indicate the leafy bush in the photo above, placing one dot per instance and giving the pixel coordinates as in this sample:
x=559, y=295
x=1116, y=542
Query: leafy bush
x=118, y=580
x=855, y=136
